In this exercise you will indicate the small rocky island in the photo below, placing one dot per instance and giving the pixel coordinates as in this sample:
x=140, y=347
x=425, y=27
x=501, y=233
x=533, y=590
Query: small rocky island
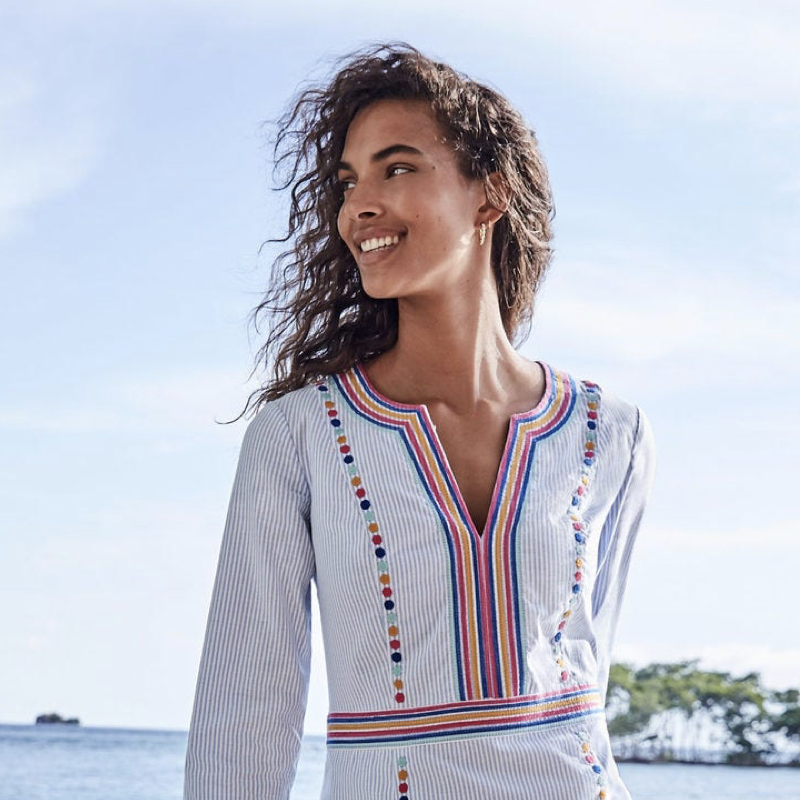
x=56, y=719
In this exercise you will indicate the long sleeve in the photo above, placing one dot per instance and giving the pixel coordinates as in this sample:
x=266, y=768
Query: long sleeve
x=616, y=544
x=252, y=687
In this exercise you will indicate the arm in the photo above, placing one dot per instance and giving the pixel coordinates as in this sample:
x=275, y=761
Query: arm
x=616, y=544
x=247, y=723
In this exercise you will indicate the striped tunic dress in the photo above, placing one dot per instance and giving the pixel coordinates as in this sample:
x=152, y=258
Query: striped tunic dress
x=461, y=664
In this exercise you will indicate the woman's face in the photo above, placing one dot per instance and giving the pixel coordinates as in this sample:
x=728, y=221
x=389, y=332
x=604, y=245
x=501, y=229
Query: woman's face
x=409, y=216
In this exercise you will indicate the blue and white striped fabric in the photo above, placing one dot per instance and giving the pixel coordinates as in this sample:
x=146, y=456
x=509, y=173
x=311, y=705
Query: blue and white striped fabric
x=461, y=663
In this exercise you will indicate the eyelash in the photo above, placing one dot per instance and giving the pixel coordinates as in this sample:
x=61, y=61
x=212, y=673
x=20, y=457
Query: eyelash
x=344, y=187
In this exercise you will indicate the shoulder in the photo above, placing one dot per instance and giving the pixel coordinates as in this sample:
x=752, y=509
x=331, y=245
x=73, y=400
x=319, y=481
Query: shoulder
x=618, y=419
x=290, y=409
x=280, y=427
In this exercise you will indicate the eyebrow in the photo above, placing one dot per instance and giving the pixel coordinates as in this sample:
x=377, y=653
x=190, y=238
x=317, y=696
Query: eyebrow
x=381, y=154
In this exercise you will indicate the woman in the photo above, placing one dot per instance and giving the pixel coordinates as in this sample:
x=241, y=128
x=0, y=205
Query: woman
x=467, y=514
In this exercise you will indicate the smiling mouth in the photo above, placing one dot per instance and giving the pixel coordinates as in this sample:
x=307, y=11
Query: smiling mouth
x=379, y=243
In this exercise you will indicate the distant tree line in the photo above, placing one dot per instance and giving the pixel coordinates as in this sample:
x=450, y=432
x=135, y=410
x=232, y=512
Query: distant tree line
x=677, y=712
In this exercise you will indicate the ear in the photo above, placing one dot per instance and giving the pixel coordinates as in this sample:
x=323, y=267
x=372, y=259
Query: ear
x=497, y=199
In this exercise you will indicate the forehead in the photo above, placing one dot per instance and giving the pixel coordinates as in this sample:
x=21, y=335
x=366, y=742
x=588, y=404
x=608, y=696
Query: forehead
x=408, y=121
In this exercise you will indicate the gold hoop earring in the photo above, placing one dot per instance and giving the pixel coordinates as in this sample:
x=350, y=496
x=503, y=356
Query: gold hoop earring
x=482, y=234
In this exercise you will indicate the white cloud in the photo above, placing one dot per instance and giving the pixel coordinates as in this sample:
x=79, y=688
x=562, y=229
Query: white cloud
x=59, y=420
x=192, y=399
x=686, y=538
x=50, y=139
x=121, y=536
x=779, y=666
x=790, y=185
x=189, y=401
x=718, y=51
x=715, y=51
x=702, y=324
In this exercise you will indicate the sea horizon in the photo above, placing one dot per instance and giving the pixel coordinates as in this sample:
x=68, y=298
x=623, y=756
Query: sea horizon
x=65, y=762
x=320, y=738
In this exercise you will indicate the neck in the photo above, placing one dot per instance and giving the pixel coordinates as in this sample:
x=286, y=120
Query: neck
x=454, y=353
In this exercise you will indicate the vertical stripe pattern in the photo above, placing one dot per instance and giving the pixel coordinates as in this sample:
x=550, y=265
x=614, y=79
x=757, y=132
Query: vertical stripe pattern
x=488, y=644
x=540, y=764
x=576, y=526
x=356, y=482
x=250, y=697
x=590, y=759
x=340, y=485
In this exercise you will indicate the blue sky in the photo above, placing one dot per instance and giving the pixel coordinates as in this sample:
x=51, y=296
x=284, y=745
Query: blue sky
x=134, y=194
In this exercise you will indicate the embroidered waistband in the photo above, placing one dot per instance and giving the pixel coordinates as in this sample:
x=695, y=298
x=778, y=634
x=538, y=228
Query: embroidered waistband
x=458, y=720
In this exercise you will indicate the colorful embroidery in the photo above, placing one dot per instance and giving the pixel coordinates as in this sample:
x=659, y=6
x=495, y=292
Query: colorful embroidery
x=465, y=719
x=379, y=549
x=402, y=777
x=486, y=626
x=589, y=757
x=577, y=526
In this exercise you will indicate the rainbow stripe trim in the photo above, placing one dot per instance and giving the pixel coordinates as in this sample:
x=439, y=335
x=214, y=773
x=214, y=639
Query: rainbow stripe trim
x=460, y=720
x=487, y=643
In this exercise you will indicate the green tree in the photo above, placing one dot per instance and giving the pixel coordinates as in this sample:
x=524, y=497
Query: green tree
x=787, y=720
x=650, y=706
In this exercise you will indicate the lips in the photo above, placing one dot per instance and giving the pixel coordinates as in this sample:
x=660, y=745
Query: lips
x=378, y=242
x=361, y=235
x=379, y=245
x=374, y=256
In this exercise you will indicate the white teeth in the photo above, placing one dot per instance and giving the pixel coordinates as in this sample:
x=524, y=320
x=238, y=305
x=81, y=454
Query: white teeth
x=381, y=241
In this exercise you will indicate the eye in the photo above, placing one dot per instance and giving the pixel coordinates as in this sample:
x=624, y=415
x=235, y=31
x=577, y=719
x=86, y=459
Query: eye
x=396, y=169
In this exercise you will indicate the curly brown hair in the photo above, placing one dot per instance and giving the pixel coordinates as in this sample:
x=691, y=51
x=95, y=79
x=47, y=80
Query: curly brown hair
x=322, y=321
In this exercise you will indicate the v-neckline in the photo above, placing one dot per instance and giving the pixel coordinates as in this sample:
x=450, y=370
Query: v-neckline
x=501, y=479
x=482, y=567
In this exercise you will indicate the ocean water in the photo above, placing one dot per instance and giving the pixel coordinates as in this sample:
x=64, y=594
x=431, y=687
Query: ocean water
x=55, y=762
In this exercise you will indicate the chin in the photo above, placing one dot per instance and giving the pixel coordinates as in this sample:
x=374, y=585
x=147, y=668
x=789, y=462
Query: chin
x=376, y=291
x=380, y=295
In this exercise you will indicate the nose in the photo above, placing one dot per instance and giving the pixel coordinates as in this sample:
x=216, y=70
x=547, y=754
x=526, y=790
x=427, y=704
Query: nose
x=361, y=202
